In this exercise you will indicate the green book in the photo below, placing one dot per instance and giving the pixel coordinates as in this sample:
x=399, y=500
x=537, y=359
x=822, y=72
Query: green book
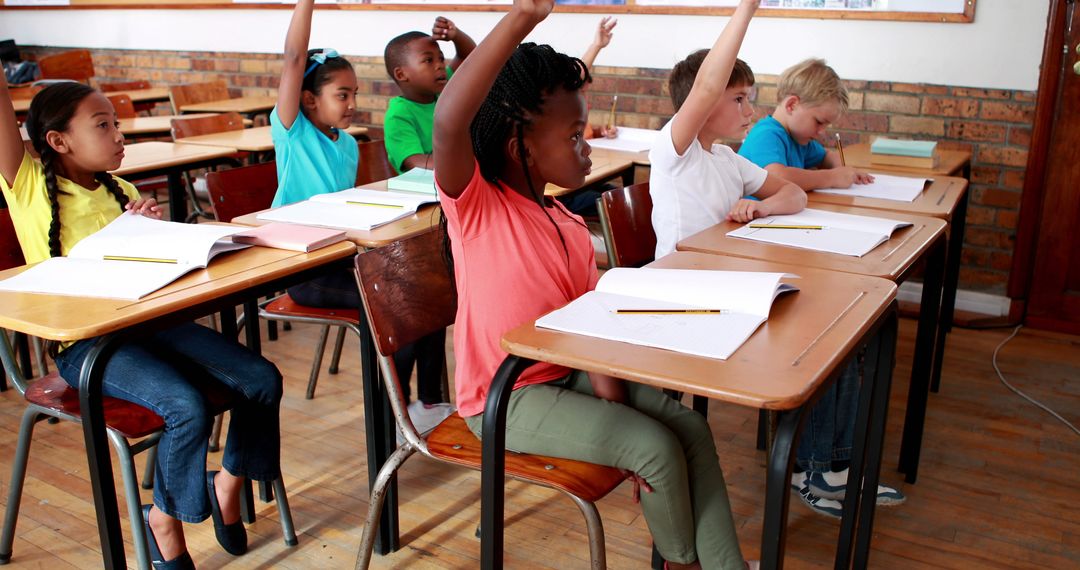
x=916, y=149
x=417, y=180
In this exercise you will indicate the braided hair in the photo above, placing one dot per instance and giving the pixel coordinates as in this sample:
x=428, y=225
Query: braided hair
x=532, y=72
x=52, y=110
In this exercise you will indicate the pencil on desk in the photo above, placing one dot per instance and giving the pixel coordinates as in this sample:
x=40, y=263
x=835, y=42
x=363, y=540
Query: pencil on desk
x=611, y=116
x=840, y=148
x=374, y=204
x=671, y=311
x=132, y=258
x=784, y=227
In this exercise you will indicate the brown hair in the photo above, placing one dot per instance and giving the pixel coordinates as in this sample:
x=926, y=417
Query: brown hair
x=813, y=82
x=683, y=74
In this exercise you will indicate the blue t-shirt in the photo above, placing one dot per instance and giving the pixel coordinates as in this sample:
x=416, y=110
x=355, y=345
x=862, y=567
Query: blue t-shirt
x=769, y=143
x=309, y=162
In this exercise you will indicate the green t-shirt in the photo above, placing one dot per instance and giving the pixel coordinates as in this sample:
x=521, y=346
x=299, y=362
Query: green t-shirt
x=407, y=129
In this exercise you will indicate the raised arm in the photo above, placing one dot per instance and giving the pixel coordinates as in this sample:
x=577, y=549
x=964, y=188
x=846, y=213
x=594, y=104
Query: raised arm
x=459, y=102
x=292, y=73
x=712, y=78
x=11, y=145
x=446, y=30
x=600, y=41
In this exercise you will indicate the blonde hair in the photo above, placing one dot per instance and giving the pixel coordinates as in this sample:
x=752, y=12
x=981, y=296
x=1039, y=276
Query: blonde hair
x=813, y=82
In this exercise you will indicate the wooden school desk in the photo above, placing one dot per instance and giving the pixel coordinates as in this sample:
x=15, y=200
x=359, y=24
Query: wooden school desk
x=151, y=95
x=247, y=106
x=157, y=125
x=606, y=164
x=230, y=279
x=893, y=260
x=944, y=198
x=256, y=139
x=785, y=365
x=156, y=158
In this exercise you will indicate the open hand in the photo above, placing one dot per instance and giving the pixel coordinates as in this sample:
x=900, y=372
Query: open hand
x=603, y=31
x=748, y=210
x=145, y=207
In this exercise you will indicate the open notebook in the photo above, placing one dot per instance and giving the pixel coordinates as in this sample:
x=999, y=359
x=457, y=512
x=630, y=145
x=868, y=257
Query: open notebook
x=712, y=313
x=128, y=259
x=627, y=139
x=885, y=187
x=353, y=209
x=846, y=234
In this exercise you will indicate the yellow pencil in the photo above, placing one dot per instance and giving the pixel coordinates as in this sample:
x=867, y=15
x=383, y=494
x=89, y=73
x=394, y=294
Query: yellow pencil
x=375, y=204
x=840, y=148
x=784, y=227
x=671, y=311
x=611, y=117
x=130, y=258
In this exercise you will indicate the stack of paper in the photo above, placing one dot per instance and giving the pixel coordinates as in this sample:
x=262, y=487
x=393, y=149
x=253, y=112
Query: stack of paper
x=885, y=187
x=353, y=209
x=916, y=149
x=628, y=139
x=819, y=230
x=128, y=259
x=418, y=180
x=706, y=313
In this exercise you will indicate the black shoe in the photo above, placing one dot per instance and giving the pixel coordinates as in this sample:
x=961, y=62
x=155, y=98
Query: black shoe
x=231, y=537
x=182, y=562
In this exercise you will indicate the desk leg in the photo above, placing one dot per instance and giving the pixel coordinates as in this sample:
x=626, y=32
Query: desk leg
x=177, y=197
x=918, y=390
x=952, y=281
x=251, y=325
x=493, y=461
x=97, y=452
x=379, y=429
x=777, y=485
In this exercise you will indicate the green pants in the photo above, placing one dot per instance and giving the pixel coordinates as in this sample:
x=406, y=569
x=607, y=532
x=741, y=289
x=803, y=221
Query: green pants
x=667, y=444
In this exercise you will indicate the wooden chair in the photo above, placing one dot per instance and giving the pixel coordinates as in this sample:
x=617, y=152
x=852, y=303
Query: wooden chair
x=182, y=128
x=125, y=109
x=374, y=163
x=626, y=219
x=75, y=65
x=408, y=293
x=131, y=429
x=191, y=93
x=122, y=86
x=249, y=189
x=13, y=257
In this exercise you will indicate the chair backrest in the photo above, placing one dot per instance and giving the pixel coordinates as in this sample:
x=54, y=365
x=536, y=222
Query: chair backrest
x=407, y=290
x=195, y=126
x=10, y=251
x=626, y=218
x=125, y=109
x=124, y=86
x=243, y=190
x=75, y=65
x=191, y=93
x=374, y=163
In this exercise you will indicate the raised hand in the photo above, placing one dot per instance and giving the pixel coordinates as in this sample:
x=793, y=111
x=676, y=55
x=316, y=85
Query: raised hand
x=444, y=30
x=536, y=9
x=603, y=31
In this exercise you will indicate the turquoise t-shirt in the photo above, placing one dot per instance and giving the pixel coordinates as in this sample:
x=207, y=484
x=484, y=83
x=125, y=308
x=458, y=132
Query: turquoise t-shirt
x=309, y=162
x=769, y=143
x=407, y=128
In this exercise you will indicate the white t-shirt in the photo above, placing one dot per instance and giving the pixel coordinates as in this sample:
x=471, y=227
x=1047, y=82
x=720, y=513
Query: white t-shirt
x=696, y=190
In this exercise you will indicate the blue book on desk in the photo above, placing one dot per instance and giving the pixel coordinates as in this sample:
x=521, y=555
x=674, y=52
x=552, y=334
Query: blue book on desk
x=914, y=149
x=417, y=180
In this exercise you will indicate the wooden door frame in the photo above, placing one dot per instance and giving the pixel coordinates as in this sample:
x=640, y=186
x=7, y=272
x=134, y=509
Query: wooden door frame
x=1031, y=199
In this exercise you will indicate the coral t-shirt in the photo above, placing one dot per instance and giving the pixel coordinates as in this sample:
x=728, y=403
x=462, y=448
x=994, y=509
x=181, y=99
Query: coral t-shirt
x=510, y=268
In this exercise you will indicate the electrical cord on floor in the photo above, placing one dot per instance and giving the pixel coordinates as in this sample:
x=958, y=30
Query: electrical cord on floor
x=1018, y=392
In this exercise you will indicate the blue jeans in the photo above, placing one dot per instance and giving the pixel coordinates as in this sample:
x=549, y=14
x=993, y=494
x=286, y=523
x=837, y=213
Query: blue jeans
x=830, y=430
x=338, y=289
x=162, y=373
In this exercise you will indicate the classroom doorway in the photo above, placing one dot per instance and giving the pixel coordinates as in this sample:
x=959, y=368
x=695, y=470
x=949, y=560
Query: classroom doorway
x=1046, y=264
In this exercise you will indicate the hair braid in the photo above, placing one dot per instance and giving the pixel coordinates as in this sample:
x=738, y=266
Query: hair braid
x=52, y=188
x=110, y=183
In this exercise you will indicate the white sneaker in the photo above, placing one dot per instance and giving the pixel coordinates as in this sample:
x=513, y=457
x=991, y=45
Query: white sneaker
x=425, y=418
x=832, y=485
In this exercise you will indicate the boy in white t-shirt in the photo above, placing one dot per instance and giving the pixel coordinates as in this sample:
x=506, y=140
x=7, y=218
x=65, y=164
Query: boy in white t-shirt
x=694, y=183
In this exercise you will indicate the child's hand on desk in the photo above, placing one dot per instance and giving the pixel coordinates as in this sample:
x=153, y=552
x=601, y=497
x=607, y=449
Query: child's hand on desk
x=609, y=131
x=748, y=210
x=639, y=484
x=846, y=176
x=145, y=207
x=444, y=30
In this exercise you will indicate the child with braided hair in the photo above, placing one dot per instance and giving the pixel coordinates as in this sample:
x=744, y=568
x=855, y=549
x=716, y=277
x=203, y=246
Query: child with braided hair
x=509, y=122
x=64, y=198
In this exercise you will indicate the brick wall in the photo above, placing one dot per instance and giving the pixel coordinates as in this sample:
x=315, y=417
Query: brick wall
x=995, y=125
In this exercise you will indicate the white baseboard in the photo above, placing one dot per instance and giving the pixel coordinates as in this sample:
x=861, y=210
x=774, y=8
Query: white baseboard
x=968, y=301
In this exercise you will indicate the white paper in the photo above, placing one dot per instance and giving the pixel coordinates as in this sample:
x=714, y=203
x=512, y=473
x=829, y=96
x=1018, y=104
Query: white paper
x=410, y=200
x=133, y=235
x=627, y=139
x=95, y=278
x=338, y=216
x=845, y=234
x=746, y=298
x=885, y=187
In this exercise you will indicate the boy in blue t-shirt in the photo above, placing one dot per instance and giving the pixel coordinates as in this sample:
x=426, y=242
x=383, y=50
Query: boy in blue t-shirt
x=417, y=65
x=809, y=97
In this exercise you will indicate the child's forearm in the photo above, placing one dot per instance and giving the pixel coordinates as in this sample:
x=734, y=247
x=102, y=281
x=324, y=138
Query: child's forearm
x=295, y=58
x=805, y=179
x=11, y=145
x=299, y=34
x=715, y=70
x=590, y=55
x=789, y=199
x=463, y=45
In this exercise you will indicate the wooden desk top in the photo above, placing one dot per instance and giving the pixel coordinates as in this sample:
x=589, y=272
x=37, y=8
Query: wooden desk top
x=256, y=139
x=939, y=200
x=423, y=220
x=158, y=124
x=891, y=260
x=146, y=95
x=808, y=334
x=950, y=162
x=21, y=105
x=606, y=164
x=242, y=105
x=140, y=157
x=73, y=318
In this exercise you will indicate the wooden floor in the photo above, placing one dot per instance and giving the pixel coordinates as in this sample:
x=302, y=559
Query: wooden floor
x=999, y=483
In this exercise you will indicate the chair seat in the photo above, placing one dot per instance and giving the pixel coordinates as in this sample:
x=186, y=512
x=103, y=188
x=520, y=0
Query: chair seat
x=452, y=441
x=130, y=420
x=284, y=306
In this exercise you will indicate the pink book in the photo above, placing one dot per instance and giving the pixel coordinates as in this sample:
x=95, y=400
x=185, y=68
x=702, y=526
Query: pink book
x=289, y=236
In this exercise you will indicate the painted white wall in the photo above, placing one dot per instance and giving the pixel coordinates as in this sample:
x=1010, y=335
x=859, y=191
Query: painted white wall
x=1001, y=49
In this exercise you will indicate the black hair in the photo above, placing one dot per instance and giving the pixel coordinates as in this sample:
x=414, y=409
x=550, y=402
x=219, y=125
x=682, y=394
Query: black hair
x=397, y=50
x=51, y=110
x=682, y=77
x=532, y=72
x=322, y=74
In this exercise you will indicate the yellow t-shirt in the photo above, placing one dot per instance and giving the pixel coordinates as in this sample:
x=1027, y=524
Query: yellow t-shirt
x=82, y=211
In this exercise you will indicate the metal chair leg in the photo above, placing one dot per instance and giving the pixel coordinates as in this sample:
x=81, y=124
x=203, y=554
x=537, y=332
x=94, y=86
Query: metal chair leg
x=133, y=499
x=316, y=365
x=595, y=526
x=148, y=472
x=375, y=503
x=285, y=513
x=18, y=477
x=215, y=434
x=335, y=357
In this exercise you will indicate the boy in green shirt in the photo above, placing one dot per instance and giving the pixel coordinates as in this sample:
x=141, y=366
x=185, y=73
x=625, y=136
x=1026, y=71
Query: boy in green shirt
x=416, y=63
